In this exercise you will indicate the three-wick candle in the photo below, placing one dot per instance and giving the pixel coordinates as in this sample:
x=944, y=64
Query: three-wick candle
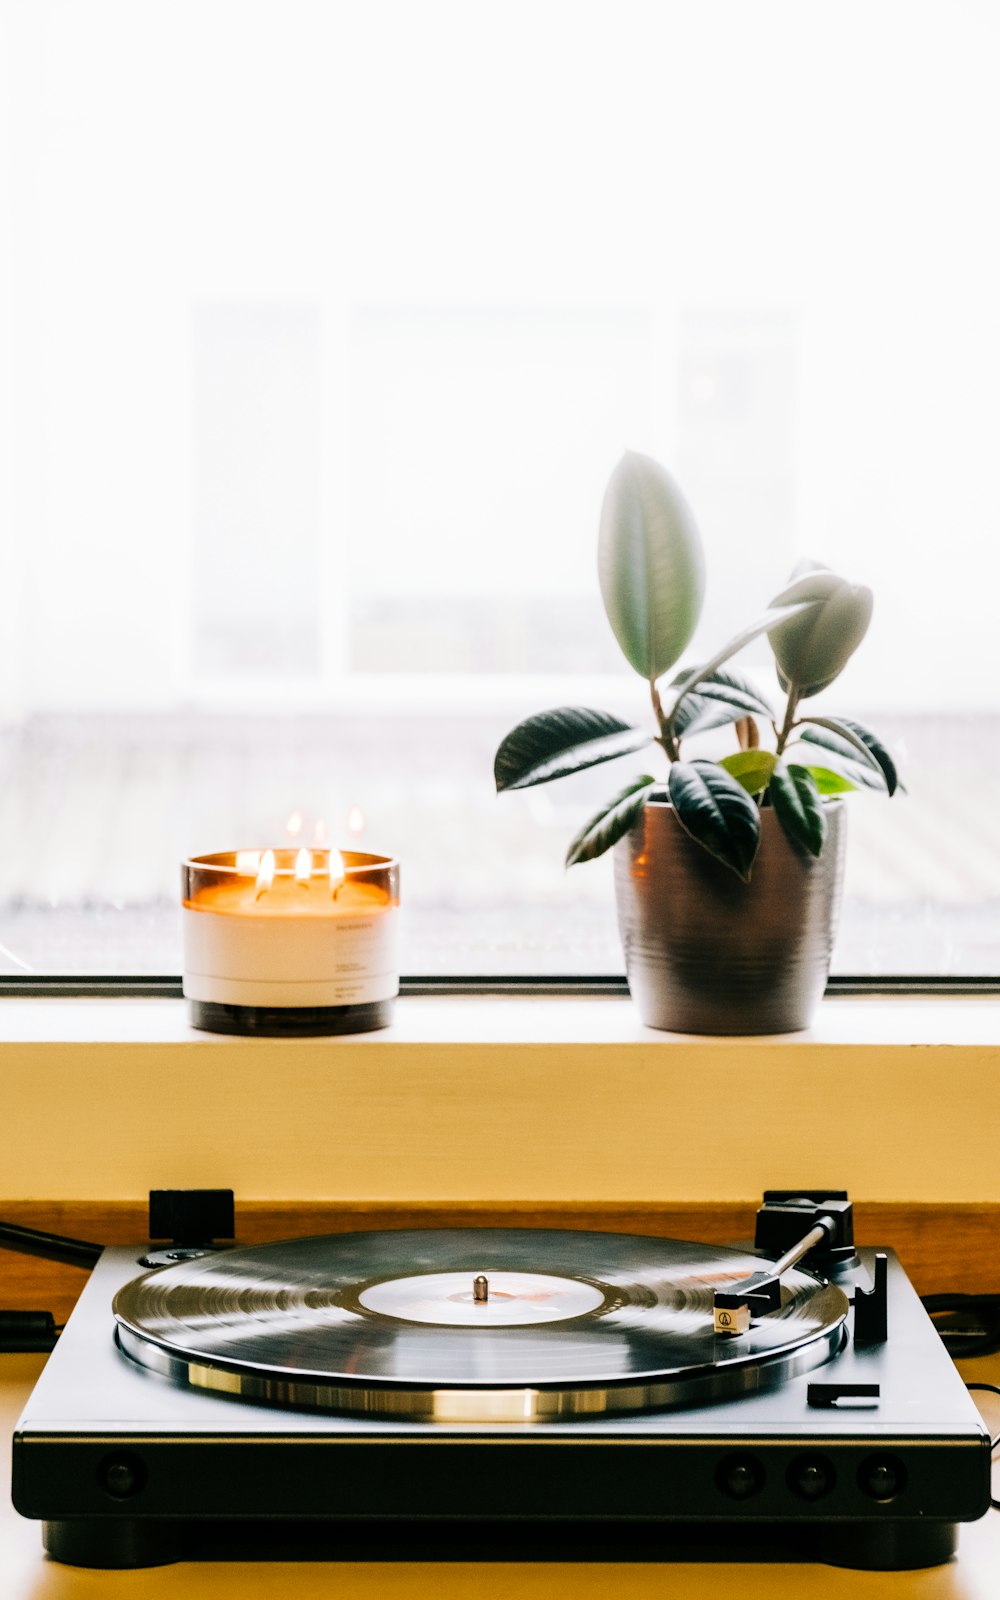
x=290, y=941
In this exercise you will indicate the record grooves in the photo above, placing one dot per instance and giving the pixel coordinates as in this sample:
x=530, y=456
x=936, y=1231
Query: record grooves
x=475, y=1324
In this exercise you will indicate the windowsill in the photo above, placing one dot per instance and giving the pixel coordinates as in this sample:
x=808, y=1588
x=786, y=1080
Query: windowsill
x=504, y=1099
x=490, y=1020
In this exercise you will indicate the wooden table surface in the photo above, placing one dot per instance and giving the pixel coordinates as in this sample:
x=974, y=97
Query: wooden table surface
x=27, y=1574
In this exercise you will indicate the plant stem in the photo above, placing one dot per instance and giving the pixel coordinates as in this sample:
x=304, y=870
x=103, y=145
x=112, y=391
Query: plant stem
x=667, y=738
x=789, y=722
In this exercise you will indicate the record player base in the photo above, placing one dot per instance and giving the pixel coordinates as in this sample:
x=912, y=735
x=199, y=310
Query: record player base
x=118, y=1543
x=784, y=1472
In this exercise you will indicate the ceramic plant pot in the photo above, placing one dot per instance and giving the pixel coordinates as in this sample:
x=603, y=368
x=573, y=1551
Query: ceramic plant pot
x=706, y=953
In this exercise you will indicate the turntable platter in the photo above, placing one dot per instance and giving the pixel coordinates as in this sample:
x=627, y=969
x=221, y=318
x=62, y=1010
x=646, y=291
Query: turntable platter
x=471, y=1324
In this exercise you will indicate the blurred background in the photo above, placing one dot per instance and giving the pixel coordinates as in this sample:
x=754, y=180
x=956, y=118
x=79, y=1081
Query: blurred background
x=323, y=327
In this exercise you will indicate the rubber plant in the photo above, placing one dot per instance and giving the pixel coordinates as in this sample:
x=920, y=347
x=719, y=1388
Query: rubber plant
x=651, y=571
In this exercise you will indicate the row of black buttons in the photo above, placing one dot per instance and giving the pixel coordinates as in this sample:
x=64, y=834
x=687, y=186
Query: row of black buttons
x=811, y=1476
x=740, y=1476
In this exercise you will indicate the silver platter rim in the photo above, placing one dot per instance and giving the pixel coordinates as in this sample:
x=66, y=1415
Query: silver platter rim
x=490, y=1405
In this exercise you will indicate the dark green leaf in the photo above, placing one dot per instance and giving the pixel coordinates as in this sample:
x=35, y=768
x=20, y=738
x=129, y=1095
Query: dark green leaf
x=828, y=782
x=861, y=776
x=611, y=823
x=717, y=812
x=751, y=768
x=876, y=748
x=725, y=696
x=555, y=743
x=833, y=733
x=650, y=564
x=693, y=679
x=798, y=806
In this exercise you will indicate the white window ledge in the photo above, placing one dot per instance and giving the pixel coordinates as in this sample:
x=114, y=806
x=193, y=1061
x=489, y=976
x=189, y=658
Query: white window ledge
x=516, y=1019
x=519, y=1099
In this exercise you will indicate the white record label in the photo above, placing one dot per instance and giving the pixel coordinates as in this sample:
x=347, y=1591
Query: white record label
x=513, y=1299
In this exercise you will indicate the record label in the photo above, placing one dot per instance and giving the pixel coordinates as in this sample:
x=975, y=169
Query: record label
x=505, y=1299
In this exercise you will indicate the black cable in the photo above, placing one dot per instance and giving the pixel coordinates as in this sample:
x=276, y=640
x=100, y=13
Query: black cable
x=969, y=1324
x=989, y=1388
x=51, y=1246
x=22, y=1332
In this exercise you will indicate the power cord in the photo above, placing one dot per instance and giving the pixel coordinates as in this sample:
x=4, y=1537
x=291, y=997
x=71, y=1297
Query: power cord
x=22, y=1332
x=989, y=1388
x=969, y=1324
x=25, y=1331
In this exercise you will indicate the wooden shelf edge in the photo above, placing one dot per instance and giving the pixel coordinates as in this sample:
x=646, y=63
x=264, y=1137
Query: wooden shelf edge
x=945, y=1247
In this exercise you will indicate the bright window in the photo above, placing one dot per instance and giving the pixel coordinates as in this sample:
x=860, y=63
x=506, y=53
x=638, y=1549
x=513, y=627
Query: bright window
x=324, y=326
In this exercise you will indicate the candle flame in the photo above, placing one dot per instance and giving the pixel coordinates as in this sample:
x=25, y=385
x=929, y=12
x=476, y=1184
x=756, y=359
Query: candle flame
x=294, y=825
x=356, y=821
x=319, y=834
x=303, y=867
x=337, y=869
x=265, y=873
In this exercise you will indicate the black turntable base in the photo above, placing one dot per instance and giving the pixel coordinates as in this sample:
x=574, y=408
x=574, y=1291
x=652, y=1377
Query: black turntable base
x=505, y=1391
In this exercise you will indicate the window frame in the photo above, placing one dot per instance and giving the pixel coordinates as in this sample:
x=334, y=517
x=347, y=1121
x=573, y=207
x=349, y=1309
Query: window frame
x=168, y=986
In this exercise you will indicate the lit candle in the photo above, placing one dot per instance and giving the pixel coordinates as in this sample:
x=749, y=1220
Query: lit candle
x=291, y=941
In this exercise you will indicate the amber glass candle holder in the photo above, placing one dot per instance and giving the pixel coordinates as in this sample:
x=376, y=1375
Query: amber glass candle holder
x=287, y=942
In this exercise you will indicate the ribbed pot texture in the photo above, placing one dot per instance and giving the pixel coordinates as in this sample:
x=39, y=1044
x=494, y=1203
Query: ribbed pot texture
x=706, y=953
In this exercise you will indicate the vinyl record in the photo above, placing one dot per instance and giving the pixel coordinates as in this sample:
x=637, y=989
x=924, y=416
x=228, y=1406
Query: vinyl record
x=471, y=1324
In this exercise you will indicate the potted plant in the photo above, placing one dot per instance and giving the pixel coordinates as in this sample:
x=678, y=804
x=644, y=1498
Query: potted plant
x=727, y=872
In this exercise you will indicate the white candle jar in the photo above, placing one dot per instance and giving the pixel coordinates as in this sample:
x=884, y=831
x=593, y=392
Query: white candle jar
x=286, y=942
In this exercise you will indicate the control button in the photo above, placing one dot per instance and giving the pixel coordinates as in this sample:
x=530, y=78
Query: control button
x=122, y=1476
x=811, y=1477
x=175, y=1252
x=842, y=1395
x=882, y=1477
x=740, y=1476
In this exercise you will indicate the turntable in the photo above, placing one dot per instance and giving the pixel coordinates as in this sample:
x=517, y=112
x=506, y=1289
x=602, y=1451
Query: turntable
x=490, y=1386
